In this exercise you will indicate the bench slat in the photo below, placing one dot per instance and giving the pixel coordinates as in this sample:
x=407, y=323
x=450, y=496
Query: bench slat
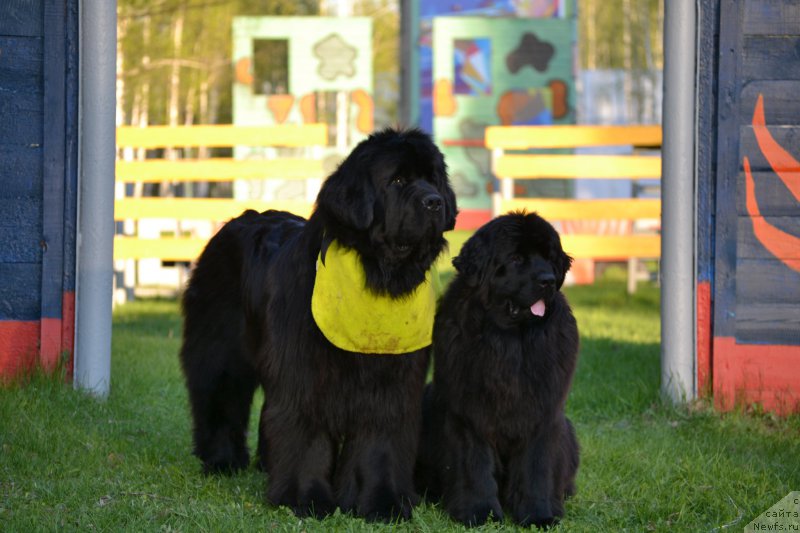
x=542, y=166
x=216, y=209
x=217, y=169
x=222, y=135
x=612, y=247
x=552, y=209
x=608, y=247
x=165, y=248
x=525, y=137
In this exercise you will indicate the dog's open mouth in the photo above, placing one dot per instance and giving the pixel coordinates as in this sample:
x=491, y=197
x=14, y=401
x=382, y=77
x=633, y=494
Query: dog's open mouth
x=537, y=309
x=401, y=250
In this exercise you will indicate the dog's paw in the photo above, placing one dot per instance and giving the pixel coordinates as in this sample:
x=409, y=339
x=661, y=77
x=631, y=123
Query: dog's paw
x=225, y=461
x=541, y=514
x=316, y=501
x=386, y=505
x=221, y=453
x=478, y=513
x=545, y=521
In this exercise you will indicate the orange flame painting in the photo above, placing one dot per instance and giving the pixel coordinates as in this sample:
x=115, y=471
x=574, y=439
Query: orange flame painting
x=782, y=245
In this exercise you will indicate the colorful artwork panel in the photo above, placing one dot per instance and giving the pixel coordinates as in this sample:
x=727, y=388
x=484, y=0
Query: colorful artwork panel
x=296, y=70
x=472, y=61
x=429, y=10
x=472, y=81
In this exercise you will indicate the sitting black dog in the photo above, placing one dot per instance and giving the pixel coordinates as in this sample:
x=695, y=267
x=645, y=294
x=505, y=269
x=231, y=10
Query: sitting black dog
x=318, y=312
x=495, y=436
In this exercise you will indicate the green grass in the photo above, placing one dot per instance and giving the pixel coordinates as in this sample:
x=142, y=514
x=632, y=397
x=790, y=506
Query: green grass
x=69, y=462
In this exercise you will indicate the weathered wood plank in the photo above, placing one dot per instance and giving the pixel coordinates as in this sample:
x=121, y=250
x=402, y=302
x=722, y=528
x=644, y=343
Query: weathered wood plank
x=20, y=300
x=521, y=166
x=21, y=88
x=788, y=137
x=769, y=58
x=774, y=199
x=21, y=67
x=524, y=137
x=223, y=135
x=781, y=104
x=21, y=17
x=749, y=247
x=766, y=281
x=771, y=17
x=20, y=231
x=770, y=323
x=21, y=170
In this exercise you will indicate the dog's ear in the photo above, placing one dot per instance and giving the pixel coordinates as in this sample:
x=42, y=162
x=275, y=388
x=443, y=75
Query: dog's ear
x=348, y=194
x=472, y=261
x=446, y=190
x=450, y=210
x=564, y=264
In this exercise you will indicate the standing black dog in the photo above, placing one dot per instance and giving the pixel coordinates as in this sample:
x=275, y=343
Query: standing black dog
x=505, y=348
x=338, y=426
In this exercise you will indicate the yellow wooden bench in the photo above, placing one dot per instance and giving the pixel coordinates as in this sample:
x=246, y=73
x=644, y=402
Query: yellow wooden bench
x=508, y=167
x=181, y=248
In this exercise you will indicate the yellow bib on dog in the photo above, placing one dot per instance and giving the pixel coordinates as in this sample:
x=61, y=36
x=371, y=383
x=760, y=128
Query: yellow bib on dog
x=356, y=319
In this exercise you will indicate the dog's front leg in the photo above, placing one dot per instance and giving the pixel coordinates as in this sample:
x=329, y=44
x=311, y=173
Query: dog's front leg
x=529, y=485
x=468, y=473
x=374, y=477
x=299, y=461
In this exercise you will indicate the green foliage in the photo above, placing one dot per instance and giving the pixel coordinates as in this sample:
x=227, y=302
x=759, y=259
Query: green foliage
x=68, y=461
x=602, y=28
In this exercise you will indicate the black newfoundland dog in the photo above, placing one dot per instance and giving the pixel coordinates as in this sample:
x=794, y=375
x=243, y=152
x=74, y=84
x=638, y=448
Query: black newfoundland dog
x=494, y=435
x=340, y=421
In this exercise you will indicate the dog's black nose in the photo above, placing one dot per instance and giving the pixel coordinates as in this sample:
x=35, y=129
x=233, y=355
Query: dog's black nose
x=432, y=202
x=546, y=280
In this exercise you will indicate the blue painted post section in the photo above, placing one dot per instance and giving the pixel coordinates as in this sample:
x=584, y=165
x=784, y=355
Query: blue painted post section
x=98, y=36
x=678, y=170
x=706, y=141
x=54, y=132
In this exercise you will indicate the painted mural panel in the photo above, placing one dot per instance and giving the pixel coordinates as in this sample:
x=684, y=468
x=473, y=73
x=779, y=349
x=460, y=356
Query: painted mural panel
x=768, y=238
x=755, y=285
x=38, y=195
x=429, y=10
x=490, y=71
x=295, y=70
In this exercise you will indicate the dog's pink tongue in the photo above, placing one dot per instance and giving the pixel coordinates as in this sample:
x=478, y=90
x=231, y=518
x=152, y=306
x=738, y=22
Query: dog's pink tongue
x=538, y=308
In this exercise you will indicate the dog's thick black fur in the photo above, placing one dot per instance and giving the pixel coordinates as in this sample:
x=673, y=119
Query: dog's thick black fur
x=495, y=437
x=337, y=427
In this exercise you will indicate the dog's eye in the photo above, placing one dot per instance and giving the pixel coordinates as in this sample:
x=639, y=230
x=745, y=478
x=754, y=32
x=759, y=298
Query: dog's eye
x=515, y=259
x=398, y=180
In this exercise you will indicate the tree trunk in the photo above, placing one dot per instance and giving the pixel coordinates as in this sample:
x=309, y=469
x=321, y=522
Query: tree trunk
x=171, y=153
x=626, y=59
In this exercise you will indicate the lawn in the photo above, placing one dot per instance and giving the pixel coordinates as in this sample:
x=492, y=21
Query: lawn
x=70, y=462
